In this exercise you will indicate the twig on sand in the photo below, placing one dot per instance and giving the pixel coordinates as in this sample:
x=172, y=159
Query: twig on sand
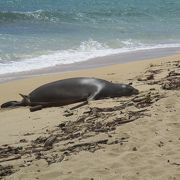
x=177, y=164
x=115, y=108
x=79, y=105
x=49, y=142
x=10, y=158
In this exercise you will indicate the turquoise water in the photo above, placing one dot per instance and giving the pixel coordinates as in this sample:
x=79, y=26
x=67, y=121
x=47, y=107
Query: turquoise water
x=42, y=33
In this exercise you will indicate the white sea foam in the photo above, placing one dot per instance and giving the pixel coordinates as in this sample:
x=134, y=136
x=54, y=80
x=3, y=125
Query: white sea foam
x=87, y=50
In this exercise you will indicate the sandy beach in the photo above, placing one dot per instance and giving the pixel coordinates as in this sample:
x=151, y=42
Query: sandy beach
x=102, y=140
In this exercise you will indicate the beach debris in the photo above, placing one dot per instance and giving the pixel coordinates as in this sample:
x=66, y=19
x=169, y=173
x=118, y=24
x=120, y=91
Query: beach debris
x=149, y=76
x=5, y=152
x=87, y=125
x=146, y=99
x=91, y=146
x=23, y=141
x=79, y=105
x=173, y=73
x=110, y=74
x=6, y=171
x=153, y=82
x=171, y=84
x=40, y=140
x=146, y=77
x=171, y=81
x=49, y=141
x=10, y=158
x=154, y=71
x=177, y=164
x=117, y=141
x=28, y=134
x=134, y=148
x=68, y=114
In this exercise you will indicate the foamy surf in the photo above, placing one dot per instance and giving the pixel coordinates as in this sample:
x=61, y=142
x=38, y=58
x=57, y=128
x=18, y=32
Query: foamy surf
x=87, y=50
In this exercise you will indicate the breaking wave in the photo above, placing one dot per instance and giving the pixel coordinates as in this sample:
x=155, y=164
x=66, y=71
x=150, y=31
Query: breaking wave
x=87, y=50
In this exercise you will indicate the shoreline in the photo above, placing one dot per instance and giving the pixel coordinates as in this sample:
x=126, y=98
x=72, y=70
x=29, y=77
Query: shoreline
x=120, y=58
x=25, y=84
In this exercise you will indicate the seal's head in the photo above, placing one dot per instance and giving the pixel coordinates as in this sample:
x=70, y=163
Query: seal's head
x=128, y=90
x=125, y=90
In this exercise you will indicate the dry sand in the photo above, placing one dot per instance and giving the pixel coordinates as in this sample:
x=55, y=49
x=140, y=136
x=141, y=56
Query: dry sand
x=102, y=140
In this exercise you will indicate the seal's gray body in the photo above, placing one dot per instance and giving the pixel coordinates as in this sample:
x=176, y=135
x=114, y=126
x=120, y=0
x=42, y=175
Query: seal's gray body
x=73, y=90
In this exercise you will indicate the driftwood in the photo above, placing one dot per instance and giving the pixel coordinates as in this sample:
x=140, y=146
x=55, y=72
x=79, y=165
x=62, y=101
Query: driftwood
x=95, y=110
x=92, y=146
x=79, y=105
x=68, y=113
x=86, y=146
x=11, y=158
x=177, y=164
x=49, y=142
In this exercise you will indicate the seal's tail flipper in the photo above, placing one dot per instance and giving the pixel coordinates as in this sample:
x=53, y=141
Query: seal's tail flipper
x=10, y=104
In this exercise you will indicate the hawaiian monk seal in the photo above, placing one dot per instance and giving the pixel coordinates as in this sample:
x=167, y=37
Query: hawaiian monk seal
x=73, y=90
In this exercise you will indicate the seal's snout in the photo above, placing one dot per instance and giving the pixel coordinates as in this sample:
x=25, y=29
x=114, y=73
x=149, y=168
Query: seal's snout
x=135, y=91
x=132, y=90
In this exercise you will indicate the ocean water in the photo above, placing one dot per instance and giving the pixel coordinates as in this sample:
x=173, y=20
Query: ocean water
x=36, y=34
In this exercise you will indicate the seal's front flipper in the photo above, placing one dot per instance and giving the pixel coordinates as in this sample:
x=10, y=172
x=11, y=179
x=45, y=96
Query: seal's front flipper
x=36, y=108
x=10, y=104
